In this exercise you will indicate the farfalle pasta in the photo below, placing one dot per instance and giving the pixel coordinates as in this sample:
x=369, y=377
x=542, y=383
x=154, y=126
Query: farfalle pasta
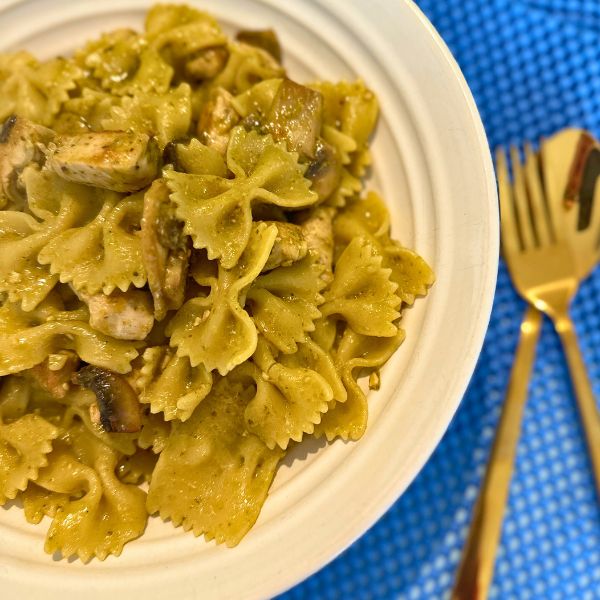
x=285, y=303
x=192, y=282
x=93, y=512
x=166, y=116
x=173, y=388
x=103, y=254
x=217, y=331
x=36, y=90
x=217, y=211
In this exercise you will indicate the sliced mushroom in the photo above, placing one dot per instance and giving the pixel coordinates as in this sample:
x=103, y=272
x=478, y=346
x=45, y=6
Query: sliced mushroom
x=317, y=229
x=295, y=116
x=207, y=63
x=117, y=409
x=165, y=250
x=325, y=171
x=19, y=147
x=217, y=118
x=114, y=160
x=121, y=315
x=54, y=374
x=262, y=38
x=289, y=246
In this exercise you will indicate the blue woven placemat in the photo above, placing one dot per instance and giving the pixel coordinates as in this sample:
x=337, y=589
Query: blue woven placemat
x=534, y=68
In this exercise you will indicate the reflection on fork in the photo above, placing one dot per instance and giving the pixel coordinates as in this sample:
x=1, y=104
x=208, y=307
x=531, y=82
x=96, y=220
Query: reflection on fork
x=572, y=192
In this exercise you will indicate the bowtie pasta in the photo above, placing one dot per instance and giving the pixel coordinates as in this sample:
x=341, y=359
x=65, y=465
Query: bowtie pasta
x=192, y=278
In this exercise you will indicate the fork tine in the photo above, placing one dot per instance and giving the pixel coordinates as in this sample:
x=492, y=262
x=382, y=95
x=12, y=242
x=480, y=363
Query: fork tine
x=537, y=198
x=521, y=201
x=508, y=222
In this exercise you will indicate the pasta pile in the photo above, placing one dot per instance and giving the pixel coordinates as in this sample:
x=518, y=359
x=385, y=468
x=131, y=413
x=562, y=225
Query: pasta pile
x=191, y=281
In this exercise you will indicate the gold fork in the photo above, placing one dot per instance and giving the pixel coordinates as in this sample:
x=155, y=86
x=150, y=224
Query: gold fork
x=545, y=270
x=547, y=257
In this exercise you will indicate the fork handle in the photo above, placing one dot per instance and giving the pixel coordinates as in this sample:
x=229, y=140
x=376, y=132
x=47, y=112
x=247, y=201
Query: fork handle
x=475, y=572
x=586, y=402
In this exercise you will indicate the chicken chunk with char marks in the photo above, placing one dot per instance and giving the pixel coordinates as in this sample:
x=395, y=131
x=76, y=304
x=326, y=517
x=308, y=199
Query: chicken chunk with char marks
x=113, y=160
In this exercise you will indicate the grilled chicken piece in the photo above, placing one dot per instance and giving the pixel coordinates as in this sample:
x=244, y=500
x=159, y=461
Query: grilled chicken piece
x=289, y=246
x=122, y=315
x=114, y=160
x=262, y=38
x=117, y=409
x=217, y=119
x=19, y=147
x=296, y=116
x=54, y=374
x=318, y=232
x=165, y=250
x=207, y=63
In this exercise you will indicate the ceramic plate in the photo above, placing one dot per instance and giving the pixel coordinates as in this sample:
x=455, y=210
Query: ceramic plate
x=431, y=162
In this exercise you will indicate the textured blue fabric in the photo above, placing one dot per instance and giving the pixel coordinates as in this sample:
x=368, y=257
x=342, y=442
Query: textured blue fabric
x=534, y=68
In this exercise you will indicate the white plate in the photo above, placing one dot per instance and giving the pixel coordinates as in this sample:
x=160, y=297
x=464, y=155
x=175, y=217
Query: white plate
x=432, y=164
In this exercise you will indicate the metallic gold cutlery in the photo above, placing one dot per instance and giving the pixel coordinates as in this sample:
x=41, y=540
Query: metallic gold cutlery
x=550, y=233
x=571, y=191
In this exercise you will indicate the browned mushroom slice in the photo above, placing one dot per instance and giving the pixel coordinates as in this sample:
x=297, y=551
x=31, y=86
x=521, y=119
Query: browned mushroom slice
x=317, y=229
x=121, y=315
x=261, y=38
x=217, y=118
x=325, y=170
x=114, y=160
x=54, y=374
x=118, y=409
x=295, y=116
x=207, y=63
x=19, y=147
x=289, y=246
x=165, y=250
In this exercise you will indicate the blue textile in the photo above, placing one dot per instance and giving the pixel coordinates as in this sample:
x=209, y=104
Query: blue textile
x=534, y=68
